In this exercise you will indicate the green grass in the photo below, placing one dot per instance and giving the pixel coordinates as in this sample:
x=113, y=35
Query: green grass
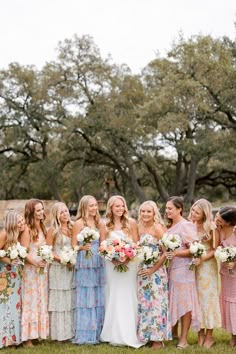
x=46, y=347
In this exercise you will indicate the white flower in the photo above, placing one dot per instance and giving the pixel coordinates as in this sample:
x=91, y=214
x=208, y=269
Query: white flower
x=2, y=253
x=193, y=248
x=13, y=253
x=80, y=237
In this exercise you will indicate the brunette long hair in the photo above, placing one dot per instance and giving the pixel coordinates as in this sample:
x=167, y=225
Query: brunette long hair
x=30, y=221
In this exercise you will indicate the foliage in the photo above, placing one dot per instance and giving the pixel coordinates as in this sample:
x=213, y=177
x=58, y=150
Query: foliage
x=85, y=125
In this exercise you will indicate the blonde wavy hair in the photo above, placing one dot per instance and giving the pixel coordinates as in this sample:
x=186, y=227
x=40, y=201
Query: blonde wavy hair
x=11, y=227
x=157, y=216
x=29, y=218
x=109, y=214
x=82, y=212
x=55, y=219
x=206, y=208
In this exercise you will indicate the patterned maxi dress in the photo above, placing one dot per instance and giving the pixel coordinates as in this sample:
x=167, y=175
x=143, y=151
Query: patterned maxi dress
x=183, y=290
x=10, y=305
x=153, y=305
x=228, y=292
x=207, y=288
x=61, y=302
x=90, y=298
x=35, y=323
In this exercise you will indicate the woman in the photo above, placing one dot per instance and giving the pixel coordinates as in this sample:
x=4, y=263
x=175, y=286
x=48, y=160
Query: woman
x=61, y=277
x=120, y=324
x=35, y=322
x=153, y=305
x=89, y=276
x=10, y=282
x=183, y=292
x=226, y=221
x=206, y=272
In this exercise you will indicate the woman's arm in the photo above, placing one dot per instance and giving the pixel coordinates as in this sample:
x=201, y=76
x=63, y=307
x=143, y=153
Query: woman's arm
x=134, y=230
x=50, y=241
x=102, y=231
x=3, y=237
x=77, y=228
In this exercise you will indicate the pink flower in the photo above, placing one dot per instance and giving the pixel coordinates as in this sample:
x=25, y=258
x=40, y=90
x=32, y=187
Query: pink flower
x=116, y=242
x=129, y=253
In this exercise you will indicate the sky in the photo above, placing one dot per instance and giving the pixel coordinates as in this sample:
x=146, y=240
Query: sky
x=131, y=31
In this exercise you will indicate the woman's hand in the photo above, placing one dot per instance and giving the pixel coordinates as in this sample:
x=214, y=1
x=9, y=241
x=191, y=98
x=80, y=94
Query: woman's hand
x=15, y=262
x=38, y=263
x=146, y=272
x=170, y=254
x=230, y=265
x=85, y=247
x=197, y=261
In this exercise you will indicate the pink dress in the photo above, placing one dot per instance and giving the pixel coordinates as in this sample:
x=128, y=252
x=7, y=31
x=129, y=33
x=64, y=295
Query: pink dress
x=182, y=282
x=35, y=323
x=228, y=292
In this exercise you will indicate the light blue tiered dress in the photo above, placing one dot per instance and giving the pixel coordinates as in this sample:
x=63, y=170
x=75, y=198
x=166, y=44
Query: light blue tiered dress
x=90, y=281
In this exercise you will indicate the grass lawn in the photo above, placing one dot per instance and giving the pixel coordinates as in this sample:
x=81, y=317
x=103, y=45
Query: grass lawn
x=222, y=346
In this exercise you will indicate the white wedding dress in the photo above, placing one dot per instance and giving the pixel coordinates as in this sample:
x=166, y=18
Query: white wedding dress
x=121, y=304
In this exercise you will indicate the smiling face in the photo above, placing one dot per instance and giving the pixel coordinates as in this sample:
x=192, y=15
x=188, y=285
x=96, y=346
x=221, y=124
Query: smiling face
x=118, y=207
x=172, y=212
x=92, y=207
x=20, y=223
x=220, y=222
x=64, y=214
x=39, y=212
x=147, y=214
x=197, y=215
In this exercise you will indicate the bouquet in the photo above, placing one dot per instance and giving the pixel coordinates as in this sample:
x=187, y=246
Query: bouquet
x=171, y=242
x=196, y=249
x=226, y=254
x=86, y=236
x=19, y=252
x=148, y=255
x=68, y=256
x=118, y=250
x=45, y=252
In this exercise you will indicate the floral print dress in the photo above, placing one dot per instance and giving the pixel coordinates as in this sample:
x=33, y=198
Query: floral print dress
x=153, y=307
x=35, y=321
x=10, y=306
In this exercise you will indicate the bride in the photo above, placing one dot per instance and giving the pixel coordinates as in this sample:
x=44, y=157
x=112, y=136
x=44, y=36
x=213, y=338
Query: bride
x=120, y=324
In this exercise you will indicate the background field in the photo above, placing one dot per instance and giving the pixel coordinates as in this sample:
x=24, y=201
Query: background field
x=222, y=346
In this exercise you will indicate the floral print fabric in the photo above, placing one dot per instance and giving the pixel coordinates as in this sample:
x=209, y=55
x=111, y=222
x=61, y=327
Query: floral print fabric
x=10, y=305
x=153, y=308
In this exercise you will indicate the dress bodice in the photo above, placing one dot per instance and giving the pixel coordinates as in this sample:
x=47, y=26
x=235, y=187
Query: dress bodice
x=114, y=234
x=61, y=241
x=148, y=240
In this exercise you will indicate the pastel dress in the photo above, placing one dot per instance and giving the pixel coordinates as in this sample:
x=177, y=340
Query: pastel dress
x=121, y=310
x=228, y=292
x=153, y=304
x=35, y=321
x=182, y=283
x=90, y=298
x=10, y=305
x=61, y=303
x=207, y=288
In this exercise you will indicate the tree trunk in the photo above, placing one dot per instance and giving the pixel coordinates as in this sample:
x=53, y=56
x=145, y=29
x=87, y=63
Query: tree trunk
x=191, y=180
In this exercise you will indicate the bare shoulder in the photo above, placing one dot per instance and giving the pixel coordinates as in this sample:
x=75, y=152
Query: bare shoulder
x=159, y=230
x=3, y=237
x=132, y=222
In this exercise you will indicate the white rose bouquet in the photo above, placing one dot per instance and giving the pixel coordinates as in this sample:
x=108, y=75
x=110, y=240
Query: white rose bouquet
x=87, y=235
x=19, y=252
x=196, y=249
x=171, y=242
x=68, y=256
x=226, y=254
x=45, y=252
x=148, y=255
